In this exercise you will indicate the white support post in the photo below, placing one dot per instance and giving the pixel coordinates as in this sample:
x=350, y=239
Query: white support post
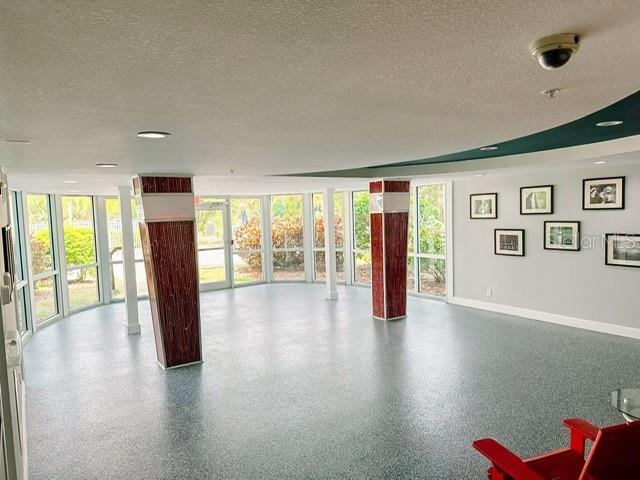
x=132, y=325
x=330, y=245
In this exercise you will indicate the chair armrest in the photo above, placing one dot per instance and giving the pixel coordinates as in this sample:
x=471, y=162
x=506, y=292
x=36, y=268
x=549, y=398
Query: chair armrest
x=583, y=427
x=505, y=460
x=580, y=430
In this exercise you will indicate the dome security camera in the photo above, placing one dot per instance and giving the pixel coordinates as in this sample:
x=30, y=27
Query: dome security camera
x=555, y=50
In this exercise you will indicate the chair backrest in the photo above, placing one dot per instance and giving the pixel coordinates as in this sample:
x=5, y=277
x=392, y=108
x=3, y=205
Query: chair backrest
x=615, y=454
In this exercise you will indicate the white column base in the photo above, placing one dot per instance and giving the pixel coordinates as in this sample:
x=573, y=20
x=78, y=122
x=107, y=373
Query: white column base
x=331, y=296
x=389, y=319
x=132, y=329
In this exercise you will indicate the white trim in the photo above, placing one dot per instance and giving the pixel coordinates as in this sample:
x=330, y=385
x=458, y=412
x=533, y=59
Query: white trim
x=448, y=262
x=575, y=322
x=166, y=207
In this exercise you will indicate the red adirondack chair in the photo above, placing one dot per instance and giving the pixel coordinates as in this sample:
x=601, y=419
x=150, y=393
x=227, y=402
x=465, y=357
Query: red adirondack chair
x=615, y=455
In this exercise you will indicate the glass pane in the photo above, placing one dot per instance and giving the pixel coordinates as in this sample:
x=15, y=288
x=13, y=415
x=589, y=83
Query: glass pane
x=21, y=309
x=286, y=221
x=431, y=227
x=117, y=280
x=288, y=265
x=246, y=224
x=247, y=267
x=411, y=275
x=320, y=267
x=114, y=228
x=362, y=264
x=39, y=233
x=361, y=235
x=211, y=266
x=83, y=287
x=412, y=213
x=317, y=201
x=137, y=242
x=338, y=202
x=210, y=228
x=77, y=226
x=432, y=276
x=46, y=304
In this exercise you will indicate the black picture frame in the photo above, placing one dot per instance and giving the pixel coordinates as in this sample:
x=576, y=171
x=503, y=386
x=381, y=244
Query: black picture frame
x=532, y=187
x=622, y=181
x=495, y=204
x=607, y=250
x=495, y=241
x=544, y=236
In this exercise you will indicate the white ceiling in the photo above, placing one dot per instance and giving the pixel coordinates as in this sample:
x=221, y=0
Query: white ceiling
x=274, y=87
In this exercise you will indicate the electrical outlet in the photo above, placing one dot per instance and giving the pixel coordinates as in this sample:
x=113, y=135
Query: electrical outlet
x=489, y=292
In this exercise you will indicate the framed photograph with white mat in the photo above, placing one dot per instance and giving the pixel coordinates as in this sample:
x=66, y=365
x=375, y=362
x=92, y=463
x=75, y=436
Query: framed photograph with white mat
x=508, y=241
x=622, y=249
x=603, y=193
x=483, y=205
x=536, y=200
x=562, y=235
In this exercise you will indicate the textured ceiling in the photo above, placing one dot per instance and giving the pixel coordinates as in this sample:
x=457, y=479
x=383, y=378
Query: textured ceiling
x=293, y=86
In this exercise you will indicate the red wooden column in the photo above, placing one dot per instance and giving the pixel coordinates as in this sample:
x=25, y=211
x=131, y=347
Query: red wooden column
x=167, y=230
x=389, y=211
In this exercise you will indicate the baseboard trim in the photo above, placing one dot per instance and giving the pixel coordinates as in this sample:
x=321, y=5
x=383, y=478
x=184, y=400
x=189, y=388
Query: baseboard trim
x=575, y=322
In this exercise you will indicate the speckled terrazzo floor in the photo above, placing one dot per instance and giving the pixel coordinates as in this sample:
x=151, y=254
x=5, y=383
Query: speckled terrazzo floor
x=297, y=387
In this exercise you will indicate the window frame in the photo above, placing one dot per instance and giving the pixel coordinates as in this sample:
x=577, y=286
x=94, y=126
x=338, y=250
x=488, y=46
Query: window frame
x=54, y=272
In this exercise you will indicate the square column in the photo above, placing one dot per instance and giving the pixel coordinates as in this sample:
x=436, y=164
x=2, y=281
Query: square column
x=168, y=234
x=389, y=219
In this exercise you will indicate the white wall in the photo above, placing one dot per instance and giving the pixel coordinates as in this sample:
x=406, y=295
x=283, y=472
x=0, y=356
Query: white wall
x=572, y=284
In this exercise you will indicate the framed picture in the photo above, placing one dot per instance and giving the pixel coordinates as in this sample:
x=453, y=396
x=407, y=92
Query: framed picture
x=561, y=235
x=509, y=242
x=536, y=200
x=622, y=249
x=483, y=205
x=603, y=193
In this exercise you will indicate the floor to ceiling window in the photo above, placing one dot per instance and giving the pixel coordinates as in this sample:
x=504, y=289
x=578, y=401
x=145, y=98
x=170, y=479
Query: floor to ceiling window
x=317, y=202
x=431, y=239
x=43, y=268
x=246, y=234
x=114, y=232
x=287, y=237
x=22, y=300
x=78, y=229
x=361, y=251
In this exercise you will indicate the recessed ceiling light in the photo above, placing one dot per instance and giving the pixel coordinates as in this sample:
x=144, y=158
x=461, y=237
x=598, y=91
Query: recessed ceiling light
x=106, y=165
x=153, y=134
x=489, y=148
x=610, y=123
x=600, y=162
x=70, y=182
x=16, y=140
x=74, y=191
x=479, y=174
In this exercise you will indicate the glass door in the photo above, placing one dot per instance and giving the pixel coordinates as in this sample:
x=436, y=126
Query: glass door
x=213, y=245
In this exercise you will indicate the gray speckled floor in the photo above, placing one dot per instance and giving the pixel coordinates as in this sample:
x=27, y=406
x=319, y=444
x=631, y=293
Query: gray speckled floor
x=297, y=387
